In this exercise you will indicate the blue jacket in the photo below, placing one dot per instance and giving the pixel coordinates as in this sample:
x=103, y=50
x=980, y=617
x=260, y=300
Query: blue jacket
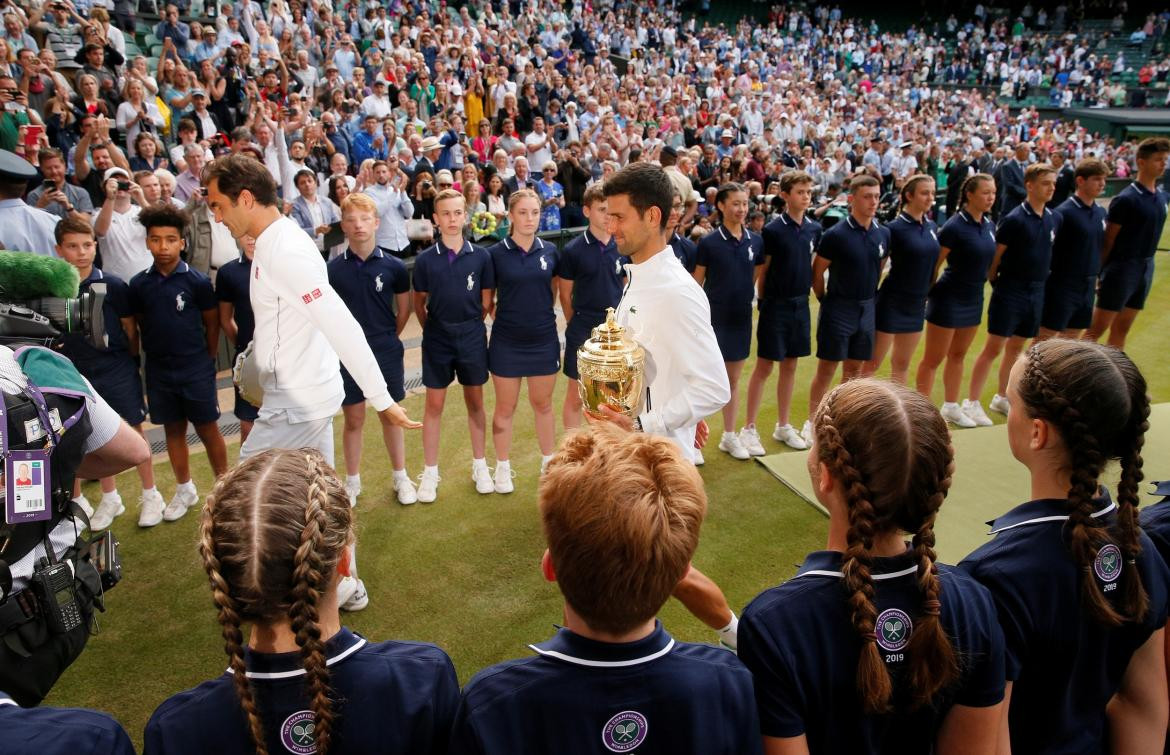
x=304, y=218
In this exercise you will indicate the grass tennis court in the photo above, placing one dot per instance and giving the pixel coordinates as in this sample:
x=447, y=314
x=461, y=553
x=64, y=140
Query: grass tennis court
x=464, y=572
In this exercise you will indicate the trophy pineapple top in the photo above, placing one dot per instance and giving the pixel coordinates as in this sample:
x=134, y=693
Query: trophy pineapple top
x=610, y=341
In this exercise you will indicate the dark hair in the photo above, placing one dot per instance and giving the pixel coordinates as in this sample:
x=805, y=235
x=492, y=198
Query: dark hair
x=861, y=180
x=724, y=191
x=645, y=186
x=792, y=178
x=164, y=215
x=970, y=185
x=1090, y=167
x=889, y=449
x=49, y=153
x=71, y=224
x=236, y=173
x=271, y=536
x=1036, y=171
x=911, y=184
x=1152, y=146
x=1095, y=398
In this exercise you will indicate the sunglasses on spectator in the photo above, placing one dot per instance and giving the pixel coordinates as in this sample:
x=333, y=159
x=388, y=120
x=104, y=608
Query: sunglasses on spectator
x=446, y=185
x=550, y=170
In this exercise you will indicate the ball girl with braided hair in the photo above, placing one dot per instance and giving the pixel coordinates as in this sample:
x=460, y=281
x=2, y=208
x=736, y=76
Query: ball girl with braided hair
x=874, y=646
x=274, y=542
x=1080, y=590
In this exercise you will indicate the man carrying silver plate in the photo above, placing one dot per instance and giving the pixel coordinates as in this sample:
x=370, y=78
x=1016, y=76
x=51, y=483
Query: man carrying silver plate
x=655, y=365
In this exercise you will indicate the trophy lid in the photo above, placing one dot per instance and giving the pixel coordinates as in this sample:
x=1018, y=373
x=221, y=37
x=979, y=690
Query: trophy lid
x=610, y=339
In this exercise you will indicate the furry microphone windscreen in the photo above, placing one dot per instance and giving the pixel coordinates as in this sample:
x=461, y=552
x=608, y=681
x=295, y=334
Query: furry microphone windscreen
x=24, y=275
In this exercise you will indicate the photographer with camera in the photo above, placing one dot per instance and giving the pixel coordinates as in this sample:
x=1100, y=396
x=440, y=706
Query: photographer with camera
x=121, y=237
x=55, y=422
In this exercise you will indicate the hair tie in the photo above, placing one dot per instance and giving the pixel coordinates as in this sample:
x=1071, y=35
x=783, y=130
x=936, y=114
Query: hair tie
x=931, y=607
x=1131, y=561
x=869, y=636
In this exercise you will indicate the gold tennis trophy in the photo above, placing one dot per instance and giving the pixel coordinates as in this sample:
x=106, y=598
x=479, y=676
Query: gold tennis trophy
x=612, y=367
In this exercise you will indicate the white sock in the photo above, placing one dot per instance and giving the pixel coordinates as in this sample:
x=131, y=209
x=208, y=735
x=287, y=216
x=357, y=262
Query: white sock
x=729, y=634
x=480, y=463
x=353, y=481
x=434, y=471
x=399, y=474
x=149, y=491
x=106, y=496
x=189, y=485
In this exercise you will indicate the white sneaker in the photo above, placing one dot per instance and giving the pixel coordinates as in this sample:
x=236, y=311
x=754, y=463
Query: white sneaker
x=974, y=412
x=351, y=594
x=806, y=433
x=184, y=499
x=503, y=477
x=749, y=438
x=83, y=503
x=150, y=509
x=698, y=457
x=787, y=435
x=957, y=415
x=428, y=487
x=482, y=477
x=730, y=444
x=353, y=491
x=110, y=507
x=405, y=490
x=1000, y=404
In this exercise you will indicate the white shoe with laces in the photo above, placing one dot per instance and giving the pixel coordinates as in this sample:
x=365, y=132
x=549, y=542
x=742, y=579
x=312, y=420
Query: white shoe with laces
x=974, y=411
x=806, y=434
x=351, y=594
x=1000, y=404
x=184, y=499
x=83, y=503
x=151, y=507
x=957, y=415
x=503, y=477
x=482, y=477
x=352, y=491
x=730, y=445
x=787, y=435
x=749, y=438
x=428, y=487
x=110, y=506
x=404, y=488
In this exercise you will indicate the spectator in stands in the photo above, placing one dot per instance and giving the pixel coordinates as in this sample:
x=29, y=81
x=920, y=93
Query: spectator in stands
x=56, y=195
x=170, y=27
x=188, y=182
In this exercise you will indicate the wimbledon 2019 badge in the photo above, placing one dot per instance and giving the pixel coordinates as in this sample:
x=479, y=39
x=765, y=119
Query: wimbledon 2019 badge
x=625, y=731
x=893, y=630
x=296, y=733
x=1107, y=564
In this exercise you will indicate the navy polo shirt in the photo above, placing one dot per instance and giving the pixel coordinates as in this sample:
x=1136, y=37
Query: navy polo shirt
x=1064, y=665
x=686, y=251
x=48, y=730
x=524, y=299
x=730, y=272
x=856, y=255
x=231, y=285
x=655, y=696
x=596, y=272
x=971, y=248
x=368, y=288
x=790, y=247
x=1077, y=251
x=1141, y=213
x=913, y=255
x=389, y=697
x=798, y=639
x=1029, y=238
x=453, y=287
x=1156, y=520
x=172, y=308
x=89, y=360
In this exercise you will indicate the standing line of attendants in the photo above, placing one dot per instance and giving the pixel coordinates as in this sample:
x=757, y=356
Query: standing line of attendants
x=1074, y=270
x=1050, y=638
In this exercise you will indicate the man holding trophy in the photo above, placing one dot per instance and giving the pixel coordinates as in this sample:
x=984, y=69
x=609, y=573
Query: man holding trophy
x=673, y=376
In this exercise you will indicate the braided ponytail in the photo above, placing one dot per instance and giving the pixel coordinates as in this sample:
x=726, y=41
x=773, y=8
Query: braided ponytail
x=1095, y=398
x=873, y=680
x=229, y=621
x=309, y=580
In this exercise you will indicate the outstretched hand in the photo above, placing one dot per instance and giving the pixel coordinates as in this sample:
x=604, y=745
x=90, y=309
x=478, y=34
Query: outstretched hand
x=398, y=417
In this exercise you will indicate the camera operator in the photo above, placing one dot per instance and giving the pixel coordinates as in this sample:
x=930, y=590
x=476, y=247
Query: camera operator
x=93, y=442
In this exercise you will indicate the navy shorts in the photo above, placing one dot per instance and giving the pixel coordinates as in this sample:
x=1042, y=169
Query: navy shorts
x=734, y=339
x=899, y=313
x=182, y=397
x=1068, y=303
x=122, y=390
x=952, y=305
x=577, y=333
x=244, y=411
x=845, y=329
x=530, y=356
x=1125, y=284
x=784, y=330
x=454, y=350
x=389, y=358
x=1015, y=308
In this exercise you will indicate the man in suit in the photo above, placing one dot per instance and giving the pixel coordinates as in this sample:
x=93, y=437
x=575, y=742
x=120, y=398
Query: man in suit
x=1066, y=182
x=1010, y=180
x=521, y=178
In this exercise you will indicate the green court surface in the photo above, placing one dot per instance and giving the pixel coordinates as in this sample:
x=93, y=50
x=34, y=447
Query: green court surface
x=987, y=481
x=464, y=572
